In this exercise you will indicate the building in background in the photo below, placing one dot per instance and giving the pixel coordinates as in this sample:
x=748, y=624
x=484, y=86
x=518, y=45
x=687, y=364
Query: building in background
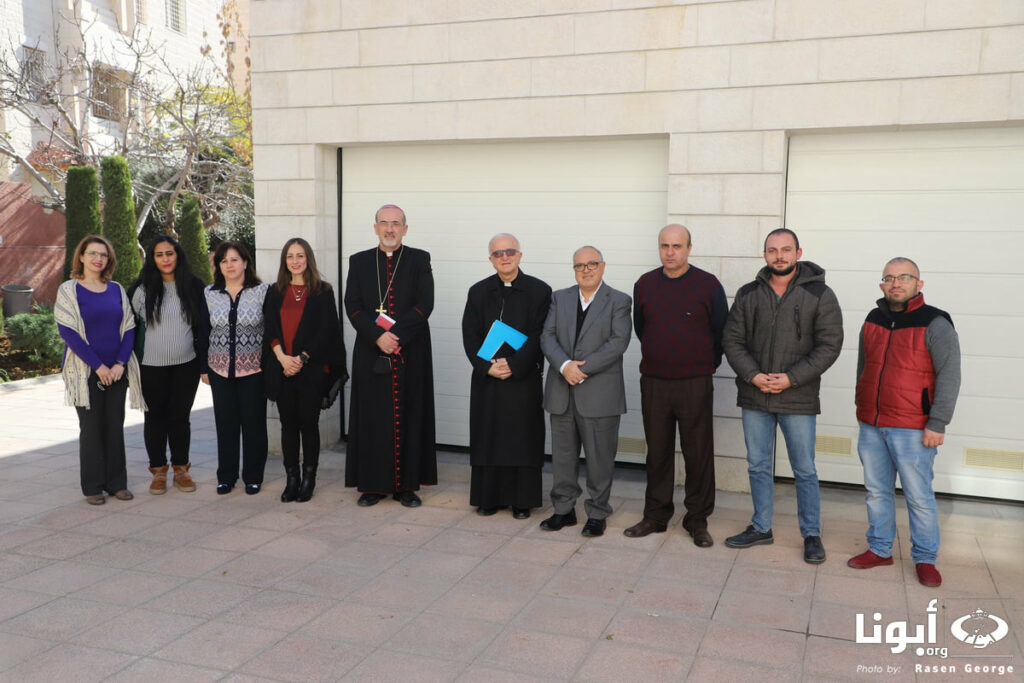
x=872, y=129
x=40, y=39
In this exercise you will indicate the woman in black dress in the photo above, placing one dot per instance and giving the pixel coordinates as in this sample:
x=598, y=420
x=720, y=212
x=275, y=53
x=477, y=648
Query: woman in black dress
x=305, y=361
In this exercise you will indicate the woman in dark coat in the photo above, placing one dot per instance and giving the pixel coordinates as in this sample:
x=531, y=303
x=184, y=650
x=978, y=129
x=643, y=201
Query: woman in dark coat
x=305, y=361
x=506, y=420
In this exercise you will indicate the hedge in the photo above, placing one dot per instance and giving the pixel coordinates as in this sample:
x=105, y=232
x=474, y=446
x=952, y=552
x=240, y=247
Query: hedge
x=81, y=210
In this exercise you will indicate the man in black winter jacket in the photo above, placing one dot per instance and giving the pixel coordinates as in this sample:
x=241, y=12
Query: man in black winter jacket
x=784, y=330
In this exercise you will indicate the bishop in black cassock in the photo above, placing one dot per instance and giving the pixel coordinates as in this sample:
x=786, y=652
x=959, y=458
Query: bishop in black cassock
x=391, y=447
x=506, y=417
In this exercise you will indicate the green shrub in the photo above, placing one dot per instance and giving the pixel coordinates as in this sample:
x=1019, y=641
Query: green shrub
x=37, y=334
x=81, y=210
x=192, y=236
x=119, y=219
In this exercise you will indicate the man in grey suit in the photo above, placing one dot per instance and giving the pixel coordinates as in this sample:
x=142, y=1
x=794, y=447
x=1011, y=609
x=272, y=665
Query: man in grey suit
x=586, y=332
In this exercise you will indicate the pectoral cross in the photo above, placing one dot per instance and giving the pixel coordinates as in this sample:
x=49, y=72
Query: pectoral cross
x=380, y=309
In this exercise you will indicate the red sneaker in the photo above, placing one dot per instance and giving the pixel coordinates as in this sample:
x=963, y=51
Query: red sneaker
x=867, y=560
x=928, y=575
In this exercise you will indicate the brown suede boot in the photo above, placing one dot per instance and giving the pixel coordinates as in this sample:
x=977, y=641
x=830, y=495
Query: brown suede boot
x=159, y=483
x=182, y=479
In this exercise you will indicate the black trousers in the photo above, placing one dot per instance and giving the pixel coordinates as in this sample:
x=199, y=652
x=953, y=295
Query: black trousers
x=101, y=438
x=169, y=391
x=299, y=409
x=240, y=405
x=686, y=403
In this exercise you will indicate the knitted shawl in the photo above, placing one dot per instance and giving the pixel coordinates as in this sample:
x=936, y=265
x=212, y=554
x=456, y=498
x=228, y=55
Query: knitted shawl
x=76, y=371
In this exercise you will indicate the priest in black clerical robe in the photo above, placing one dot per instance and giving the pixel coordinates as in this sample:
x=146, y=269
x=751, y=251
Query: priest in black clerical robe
x=389, y=295
x=506, y=417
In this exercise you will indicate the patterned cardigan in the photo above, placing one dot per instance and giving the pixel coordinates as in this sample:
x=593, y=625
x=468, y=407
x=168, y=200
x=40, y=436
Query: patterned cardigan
x=76, y=371
x=242, y=341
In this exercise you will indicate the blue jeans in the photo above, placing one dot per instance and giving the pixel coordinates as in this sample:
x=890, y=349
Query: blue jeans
x=759, y=434
x=884, y=451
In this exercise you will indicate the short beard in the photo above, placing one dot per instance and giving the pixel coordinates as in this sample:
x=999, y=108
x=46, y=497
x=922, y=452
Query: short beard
x=783, y=272
x=896, y=306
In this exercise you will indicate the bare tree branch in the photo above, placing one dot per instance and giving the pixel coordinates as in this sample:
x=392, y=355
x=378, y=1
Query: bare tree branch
x=183, y=129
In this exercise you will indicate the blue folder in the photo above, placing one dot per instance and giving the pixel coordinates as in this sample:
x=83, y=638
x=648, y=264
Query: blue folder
x=499, y=334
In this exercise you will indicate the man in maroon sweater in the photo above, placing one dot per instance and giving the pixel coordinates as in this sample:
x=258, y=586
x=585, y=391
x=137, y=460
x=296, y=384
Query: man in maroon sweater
x=679, y=311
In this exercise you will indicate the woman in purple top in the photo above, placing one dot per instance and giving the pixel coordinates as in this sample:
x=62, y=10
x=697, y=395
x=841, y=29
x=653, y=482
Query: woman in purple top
x=97, y=326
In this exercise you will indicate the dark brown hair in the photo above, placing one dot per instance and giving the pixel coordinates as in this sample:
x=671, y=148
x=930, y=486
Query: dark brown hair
x=312, y=277
x=187, y=285
x=781, y=231
x=251, y=280
x=76, y=261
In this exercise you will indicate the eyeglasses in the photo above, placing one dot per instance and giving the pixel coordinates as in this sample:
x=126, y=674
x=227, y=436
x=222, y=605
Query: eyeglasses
x=97, y=254
x=903, y=279
x=589, y=265
x=504, y=252
x=390, y=224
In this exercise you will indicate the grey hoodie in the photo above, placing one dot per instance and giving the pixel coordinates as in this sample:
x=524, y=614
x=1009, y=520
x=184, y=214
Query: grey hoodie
x=800, y=334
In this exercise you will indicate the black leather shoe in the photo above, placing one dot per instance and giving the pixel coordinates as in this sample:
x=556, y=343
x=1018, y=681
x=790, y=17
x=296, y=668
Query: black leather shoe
x=308, y=483
x=291, y=486
x=224, y=488
x=368, y=499
x=701, y=538
x=486, y=512
x=814, y=551
x=521, y=513
x=594, y=527
x=643, y=528
x=252, y=489
x=749, y=537
x=557, y=521
x=408, y=499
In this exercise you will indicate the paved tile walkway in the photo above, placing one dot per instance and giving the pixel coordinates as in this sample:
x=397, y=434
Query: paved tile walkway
x=200, y=587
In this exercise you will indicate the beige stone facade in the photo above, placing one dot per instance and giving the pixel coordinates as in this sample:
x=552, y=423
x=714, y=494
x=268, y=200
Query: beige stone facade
x=726, y=81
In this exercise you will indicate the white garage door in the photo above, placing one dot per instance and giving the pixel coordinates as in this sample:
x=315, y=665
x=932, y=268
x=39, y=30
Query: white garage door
x=555, y=196
x=953, y=201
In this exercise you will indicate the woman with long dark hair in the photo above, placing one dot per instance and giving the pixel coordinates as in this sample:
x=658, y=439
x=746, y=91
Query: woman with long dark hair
x=305, y=361
x=96, y=323
x=233, y=316
x=167, y=299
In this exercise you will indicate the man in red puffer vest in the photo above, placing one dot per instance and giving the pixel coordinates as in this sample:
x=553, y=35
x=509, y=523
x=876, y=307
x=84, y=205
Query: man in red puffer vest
x=908, y=378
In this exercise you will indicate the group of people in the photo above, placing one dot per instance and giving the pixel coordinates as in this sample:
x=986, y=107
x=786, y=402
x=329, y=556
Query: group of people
x=248, y=340
x=253, y=341
x=782, y=332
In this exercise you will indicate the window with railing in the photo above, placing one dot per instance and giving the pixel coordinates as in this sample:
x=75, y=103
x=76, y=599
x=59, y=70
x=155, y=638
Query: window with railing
x=175, y=15
x=33, y=70
x=109, y=93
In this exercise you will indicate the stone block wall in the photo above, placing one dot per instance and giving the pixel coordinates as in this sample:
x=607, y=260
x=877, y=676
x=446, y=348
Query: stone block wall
x=726, y=80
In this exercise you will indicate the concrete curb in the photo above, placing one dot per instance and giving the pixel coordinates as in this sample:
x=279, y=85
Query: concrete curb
x=19, y=384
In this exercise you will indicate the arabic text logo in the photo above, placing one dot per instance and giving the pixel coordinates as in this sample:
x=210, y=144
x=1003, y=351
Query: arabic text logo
x=898, y=634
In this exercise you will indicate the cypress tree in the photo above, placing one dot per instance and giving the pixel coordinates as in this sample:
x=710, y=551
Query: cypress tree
x=119, y=218
x=192, y=236
x=81, y=210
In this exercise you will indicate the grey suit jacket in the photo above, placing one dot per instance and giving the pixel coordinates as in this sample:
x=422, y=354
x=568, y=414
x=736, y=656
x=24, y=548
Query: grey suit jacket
x=602, y=341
